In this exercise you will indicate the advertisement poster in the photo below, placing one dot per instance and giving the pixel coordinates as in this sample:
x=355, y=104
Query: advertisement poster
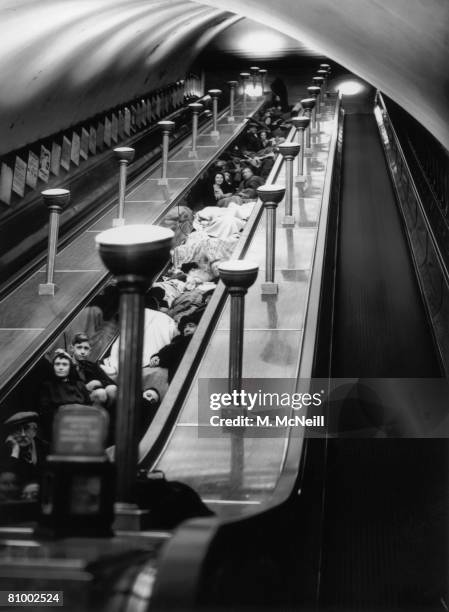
x=56, y=151
x=84, y=146
x=6, y=176
x=121, y=125
x=144, y=112
x=127, y=121
x=92, y=140
x=107, y=131
x=75, y=152
x=44, y=164
x=114, y=128
x=137, y=115
x=20, y=172
x=32, y=170
x=100, y=136
x=66, y=153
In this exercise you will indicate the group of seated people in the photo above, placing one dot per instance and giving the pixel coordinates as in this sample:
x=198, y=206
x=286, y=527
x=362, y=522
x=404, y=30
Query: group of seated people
x=238, y=173
x=173, y=308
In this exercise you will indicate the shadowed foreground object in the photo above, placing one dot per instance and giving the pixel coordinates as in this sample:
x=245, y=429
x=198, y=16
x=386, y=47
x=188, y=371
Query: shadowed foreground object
x=135, y=254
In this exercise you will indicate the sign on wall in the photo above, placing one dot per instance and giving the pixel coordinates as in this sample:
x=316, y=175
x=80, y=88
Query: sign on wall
x=20, y=172
x=75, y=152
x=127, y=122
x=92, y=140
x=32, y=170
x=107, y=132
x=44, y=164
x=66, y=151
x=55, y=161
x=100, y=136
x=6, y=175
x=114, y=128
x=84, y=148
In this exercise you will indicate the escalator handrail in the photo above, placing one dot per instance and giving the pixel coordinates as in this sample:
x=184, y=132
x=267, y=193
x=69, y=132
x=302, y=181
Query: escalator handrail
x=413, y=187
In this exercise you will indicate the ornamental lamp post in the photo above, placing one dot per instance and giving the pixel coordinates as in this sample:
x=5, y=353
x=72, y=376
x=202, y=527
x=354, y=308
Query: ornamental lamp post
x=124, y=156
x=314, y=91
x=238, y=275
x=263, y=77
x=232, y=87
x=270, y=195
x=166, y=127
x=308, y=105
x=55, y=200
x=135, y=255
x=301, y=124
x=214, y=94
x=196, y=108
x=289, y=150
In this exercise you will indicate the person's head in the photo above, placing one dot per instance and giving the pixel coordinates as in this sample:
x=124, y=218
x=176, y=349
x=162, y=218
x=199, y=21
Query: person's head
x=227, y=176
x=219, y=178
x=252, y=128
x=247, y=172
x=80, y=347
x=152, y=396
x=62, y=364
x=22, y=427
x=30, y=491
x=268, y=120
x=189, y=328
x=9, y=485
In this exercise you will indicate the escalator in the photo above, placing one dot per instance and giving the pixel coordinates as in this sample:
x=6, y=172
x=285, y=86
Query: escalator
x=385, y=528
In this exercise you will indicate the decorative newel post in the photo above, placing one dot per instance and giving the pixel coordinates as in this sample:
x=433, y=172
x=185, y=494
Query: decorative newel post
x=124, y=155
x=244, y=76
x=263, y=77
x=300, y=123
x=254, y=74
x=308, y=105
x=232, y=86
x=238, y=275
x=289, y=150
x=314, y=93
x=214, y=94
x=166, y=127
x=196, y=108
x=318, y=82
x=327, y=68
x=323, y=74
x=270, y=195
x=55, y=200
x=134, y=254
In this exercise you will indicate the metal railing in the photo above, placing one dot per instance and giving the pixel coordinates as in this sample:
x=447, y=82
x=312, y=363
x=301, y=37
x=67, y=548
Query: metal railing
x=427, y=232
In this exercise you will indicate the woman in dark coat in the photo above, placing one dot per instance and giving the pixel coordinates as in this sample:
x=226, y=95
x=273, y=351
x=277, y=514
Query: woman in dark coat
x=63, y=387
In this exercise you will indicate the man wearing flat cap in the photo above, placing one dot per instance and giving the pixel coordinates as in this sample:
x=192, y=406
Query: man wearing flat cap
x=21, y=447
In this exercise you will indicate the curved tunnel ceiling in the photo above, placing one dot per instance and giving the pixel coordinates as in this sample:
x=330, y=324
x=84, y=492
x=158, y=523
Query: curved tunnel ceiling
x=64, y=61
x=400, y=46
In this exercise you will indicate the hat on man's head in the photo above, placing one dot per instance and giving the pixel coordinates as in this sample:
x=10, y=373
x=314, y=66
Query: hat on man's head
x=20, y=418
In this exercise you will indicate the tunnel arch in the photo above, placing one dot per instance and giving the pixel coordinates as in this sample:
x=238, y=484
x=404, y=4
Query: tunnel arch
x=64, y=62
